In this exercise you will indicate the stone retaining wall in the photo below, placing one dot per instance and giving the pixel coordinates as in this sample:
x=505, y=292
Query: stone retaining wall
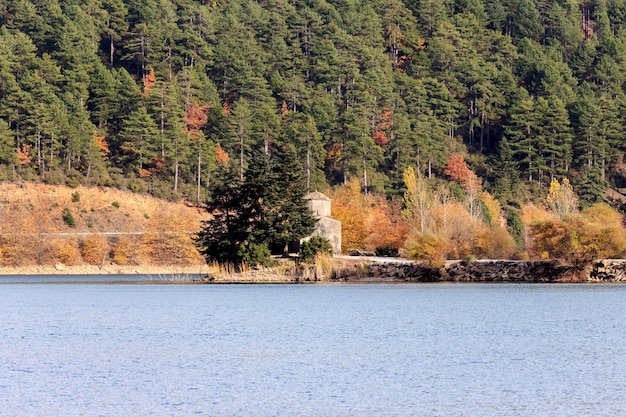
x=611, y=270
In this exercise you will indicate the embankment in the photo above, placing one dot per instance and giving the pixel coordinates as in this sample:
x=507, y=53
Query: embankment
x=607, y=270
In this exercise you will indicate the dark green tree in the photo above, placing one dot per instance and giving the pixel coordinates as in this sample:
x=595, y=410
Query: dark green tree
x=140, y=144
x=266, y=210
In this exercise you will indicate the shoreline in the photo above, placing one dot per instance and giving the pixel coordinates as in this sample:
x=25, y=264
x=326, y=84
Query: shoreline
x=60, y=270
x=350, y=270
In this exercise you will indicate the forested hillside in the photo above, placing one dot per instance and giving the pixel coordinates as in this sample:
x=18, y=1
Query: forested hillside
x=153, y=95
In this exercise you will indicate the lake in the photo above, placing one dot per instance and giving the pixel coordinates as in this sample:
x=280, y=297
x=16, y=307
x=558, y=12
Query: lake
x=312, y=350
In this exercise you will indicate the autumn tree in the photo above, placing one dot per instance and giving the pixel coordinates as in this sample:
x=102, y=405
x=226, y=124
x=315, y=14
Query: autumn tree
x=561, y=199
x=457, y=170
x=195, y=119
x=94, y=249
x=169, y=238
x=348, y=207
x=418, y=200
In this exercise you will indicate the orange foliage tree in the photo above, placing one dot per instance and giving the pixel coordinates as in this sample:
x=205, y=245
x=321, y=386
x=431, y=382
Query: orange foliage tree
x=101, y=144
x=23, y=155
x=367, y=221
x=221, y=156
x=388, y=228
x=348, y=204
x=195, y=119
x=25, y=239
x=149, y=80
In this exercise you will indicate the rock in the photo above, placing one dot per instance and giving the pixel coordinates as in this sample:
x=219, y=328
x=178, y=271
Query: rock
x=59, y=267
x=359, y=252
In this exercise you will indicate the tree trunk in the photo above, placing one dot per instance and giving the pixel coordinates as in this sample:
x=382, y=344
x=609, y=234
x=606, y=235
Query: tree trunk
x=176, y=175
x=199, y=168
x=308, y=168
x=241, y=153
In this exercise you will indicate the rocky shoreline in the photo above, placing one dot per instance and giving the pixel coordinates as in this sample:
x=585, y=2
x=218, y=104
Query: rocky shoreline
x=605, y=270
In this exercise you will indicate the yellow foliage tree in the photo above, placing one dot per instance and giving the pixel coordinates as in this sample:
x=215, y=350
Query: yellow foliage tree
x=94, y=249
x=418, y=200
x=168, y=239
x=125, y=250
x=66, y=251
x=561, y=199
x=597, y=233
x=493, y=208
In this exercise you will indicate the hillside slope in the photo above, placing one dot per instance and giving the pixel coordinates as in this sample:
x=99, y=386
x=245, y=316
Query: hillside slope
x=44, y=225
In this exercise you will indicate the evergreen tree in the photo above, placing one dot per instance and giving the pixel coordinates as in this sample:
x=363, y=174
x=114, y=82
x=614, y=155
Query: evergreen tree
x=521, y=136
x=266, y=210
x=139, y=146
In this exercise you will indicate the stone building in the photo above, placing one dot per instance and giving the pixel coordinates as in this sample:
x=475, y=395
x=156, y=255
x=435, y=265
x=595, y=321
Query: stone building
x=326, y=227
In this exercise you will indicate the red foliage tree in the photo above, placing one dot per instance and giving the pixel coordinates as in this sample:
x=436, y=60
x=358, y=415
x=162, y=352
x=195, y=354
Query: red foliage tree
x=457, y=170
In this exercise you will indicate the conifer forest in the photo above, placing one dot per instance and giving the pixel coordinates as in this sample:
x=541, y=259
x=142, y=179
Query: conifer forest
x=415, y=104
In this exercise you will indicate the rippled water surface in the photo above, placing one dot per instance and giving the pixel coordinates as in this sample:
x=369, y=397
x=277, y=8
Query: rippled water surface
x=312, y=350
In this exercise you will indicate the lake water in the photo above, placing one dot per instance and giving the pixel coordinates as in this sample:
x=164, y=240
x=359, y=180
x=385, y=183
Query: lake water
x=312, y=350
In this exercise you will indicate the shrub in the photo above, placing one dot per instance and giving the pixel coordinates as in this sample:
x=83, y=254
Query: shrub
x=94, y=249
x=427, y=247
x=68, y=218
x=137, y=186
x=550, y=239
x=163, y=190
x=66, y=252
x=254, y=254
x=314, y=246
x=387, y=250
x=116, y=204
x=75, y=197
x=597, y=233
x=54, y=177
x=123, y=252
x=73, y=178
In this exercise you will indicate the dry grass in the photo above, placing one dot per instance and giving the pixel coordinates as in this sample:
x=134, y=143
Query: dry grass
x=98, y=209
x=324, y=268
x=31, y=224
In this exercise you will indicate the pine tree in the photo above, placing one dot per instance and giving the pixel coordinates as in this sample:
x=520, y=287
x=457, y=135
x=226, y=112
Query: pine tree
x=139, y=144
x=521, y=135
x=266, y=210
